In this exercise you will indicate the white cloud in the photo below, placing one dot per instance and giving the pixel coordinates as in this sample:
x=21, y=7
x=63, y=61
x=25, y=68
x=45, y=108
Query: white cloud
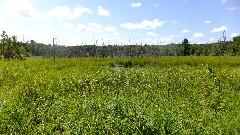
x=89, y=33
x=185, y=31
x=105, y=39
x=65, y=12
x=94, y=27
x=46, y=28
x=116, y=34
x=207, y=22
x=232, y=8
x=102, y=11
x=110, y=28
x=152, y=34
x=129, y=25
x=212, y=39
x=165, y=40
x=73, y=40
x=23, y=8
x=155, y=5
x=175, y=21
x=191, y=39
x=155, y=40
x=136, y=4
x=145, y=24
x=89, y=28
x=178, y=36
x=2, y=23
x=78, y=11
x=68, y=26
x=201, y=42
x=223, y=1
x=234, y=34
x=220, y=29
x=19, y=32
x=198, y=35
x=81, y=28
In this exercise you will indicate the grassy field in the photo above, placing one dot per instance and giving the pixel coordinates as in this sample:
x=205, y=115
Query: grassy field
x=185, y=95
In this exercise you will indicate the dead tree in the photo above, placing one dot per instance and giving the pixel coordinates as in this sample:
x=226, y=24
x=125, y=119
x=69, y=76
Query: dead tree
x=223, y=45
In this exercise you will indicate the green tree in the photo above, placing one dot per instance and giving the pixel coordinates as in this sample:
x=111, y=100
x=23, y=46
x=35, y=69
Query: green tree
x=234, y=47
x=186, y=47
x=215, y=50
x=10, y=47
x=3, y=41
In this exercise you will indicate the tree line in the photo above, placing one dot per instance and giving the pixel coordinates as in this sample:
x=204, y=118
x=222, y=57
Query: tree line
x=13, y=49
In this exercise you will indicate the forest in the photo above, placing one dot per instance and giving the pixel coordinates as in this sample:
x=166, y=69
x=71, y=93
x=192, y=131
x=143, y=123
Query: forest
x=11, y=48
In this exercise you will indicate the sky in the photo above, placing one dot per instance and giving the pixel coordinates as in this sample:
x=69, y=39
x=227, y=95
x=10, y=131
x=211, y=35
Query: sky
x=121, y=22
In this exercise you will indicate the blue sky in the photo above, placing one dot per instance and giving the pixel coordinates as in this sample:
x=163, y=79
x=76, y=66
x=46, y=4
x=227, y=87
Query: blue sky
x=77, y=22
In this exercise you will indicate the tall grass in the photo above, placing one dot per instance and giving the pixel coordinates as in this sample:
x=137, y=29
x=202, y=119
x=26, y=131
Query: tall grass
x=185, y=95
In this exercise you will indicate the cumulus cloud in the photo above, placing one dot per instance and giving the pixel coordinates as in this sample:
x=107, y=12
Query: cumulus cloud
x=220, y=29
x=165, y=40
x=116, y=33
x=89, y=28
x=152, y=34
x=145, y=24
x=212, y=39
x=178, y=36
x=136, y=4
x=94, y=27
x=2, y=23
x=234, y=34
x=46, y=28
x=200, y=42
x=207, y=22
x=23, y=8
x=155, y=5
x=68, y=26
x=223, y=1
x=110, y=28
x=64, y=12
x=102, y=11
x=129, y=25
x=156, y=40
x=232, y=8
x=190, y=39
x=185, y=31
x=81, y=28
x=198, y=35
x=175, y=21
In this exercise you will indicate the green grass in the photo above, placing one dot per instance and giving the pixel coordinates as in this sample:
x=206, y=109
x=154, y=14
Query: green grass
x=185, y=95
